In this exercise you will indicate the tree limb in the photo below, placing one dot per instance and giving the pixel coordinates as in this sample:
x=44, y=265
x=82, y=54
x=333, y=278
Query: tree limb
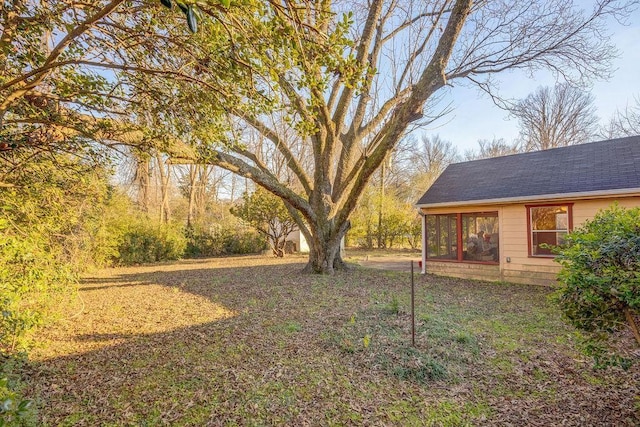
x=41, y=72
x=267, y=181
x=431, y=79
x=292, y=162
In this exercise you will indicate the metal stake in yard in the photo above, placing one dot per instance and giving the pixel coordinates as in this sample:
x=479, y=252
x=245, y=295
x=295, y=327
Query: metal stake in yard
x=413, y=311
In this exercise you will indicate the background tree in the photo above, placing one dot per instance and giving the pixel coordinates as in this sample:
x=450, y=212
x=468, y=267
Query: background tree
x=141, y=178
x=492, y=148
x=364, y=221
x=427, y=159
x=600, y=273
x=389, y=230
x=344, y=82
x=556, y=117
x=198, y=186
x=267, y=214
x=350, y=80
x=625, y=123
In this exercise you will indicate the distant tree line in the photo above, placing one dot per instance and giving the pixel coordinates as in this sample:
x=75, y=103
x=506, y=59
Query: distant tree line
x=558, y=116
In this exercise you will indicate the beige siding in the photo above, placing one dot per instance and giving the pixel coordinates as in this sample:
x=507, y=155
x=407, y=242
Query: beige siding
x=586, y=209
x=465, y=270
x=513, y=242
x=521, y=268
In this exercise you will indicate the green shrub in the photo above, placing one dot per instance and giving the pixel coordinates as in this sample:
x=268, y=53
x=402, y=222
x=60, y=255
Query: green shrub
x=15, y=410
x=104, y=231
x=146, y=242
x=118, y=234
x=600, y=273
x=201, y=243
x=240, y=242
x=32, y=282
x=79, y=217
x=384, y=221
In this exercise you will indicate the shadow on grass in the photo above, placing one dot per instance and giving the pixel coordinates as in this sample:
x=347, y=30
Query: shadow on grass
x=293, y=350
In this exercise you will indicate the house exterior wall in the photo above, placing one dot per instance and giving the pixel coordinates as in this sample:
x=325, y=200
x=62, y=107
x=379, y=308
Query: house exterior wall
x=521, y=268
x=465, y=270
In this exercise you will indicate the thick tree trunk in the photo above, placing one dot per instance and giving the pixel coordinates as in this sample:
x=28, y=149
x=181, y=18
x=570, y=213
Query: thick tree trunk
x=324, y=250
x=277, y=246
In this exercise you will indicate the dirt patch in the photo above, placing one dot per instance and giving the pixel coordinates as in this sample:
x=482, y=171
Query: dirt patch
x=391, y=263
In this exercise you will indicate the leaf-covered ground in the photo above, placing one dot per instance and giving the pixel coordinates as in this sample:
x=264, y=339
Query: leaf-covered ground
x=252, y=341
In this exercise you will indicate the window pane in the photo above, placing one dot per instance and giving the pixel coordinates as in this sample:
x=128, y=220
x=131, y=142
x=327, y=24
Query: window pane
x=549, y=218
x=442, y=237
x=560, y=238
x=562, y=221
x=431, y=236
x=453, y=228
x=480, y=237
x=443, y=234
x=553, y=238
x=549, y=226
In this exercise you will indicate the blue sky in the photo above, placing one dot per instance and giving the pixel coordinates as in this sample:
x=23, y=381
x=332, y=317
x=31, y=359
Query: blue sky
x=476, y=117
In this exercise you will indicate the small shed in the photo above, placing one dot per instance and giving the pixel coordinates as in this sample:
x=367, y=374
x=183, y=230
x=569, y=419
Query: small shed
x=490, y=219
x=298, y=242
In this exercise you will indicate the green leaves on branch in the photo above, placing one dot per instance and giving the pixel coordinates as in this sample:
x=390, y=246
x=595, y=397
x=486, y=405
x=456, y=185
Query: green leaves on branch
x=14, y=410
x=191, y=19
x=600, y=274
x=191, y=12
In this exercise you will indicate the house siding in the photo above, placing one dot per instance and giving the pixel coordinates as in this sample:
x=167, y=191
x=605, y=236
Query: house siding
x=513, y=242
x=465, y=270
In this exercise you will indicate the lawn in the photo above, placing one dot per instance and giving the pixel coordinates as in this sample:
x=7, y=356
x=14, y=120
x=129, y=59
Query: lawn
x=252, y=341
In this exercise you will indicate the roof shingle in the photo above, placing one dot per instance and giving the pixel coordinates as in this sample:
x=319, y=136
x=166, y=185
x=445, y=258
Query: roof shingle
x=598, y=166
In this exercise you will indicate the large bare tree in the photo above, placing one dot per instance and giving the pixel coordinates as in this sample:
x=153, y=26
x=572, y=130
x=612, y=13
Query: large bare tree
x=331, y=87
x=556, y=117
x=351, y=78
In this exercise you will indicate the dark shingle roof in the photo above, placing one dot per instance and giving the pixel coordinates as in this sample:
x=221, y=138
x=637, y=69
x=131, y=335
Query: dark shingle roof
x=598, y=166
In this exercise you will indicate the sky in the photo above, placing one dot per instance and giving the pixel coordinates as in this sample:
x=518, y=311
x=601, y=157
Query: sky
x=476, y=117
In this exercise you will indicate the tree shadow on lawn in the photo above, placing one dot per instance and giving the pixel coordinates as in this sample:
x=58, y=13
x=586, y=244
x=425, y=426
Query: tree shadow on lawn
x=221, y=342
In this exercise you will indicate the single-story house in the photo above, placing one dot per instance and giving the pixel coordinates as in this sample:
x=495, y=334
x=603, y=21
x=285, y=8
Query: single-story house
x=489, y=219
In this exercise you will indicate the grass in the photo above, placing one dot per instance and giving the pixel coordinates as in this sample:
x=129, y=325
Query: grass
x=252, y=341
